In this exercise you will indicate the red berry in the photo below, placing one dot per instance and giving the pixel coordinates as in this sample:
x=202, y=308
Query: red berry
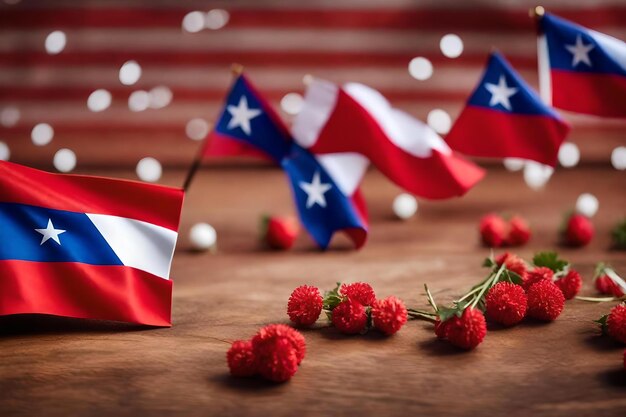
x=605, y=285
x=359, y=291
x=305, y=305
x=349, y=316
x=545, y=301
x=540, y=273
x=492, y=230
x=441, y=329
x=280, y=232
x=389, y=315
x=519, y=232
x=467, y=331
x=241, y=359
x=616, y=323
x=506, y=303
x=579, y=230
x=513, y=263
x=279, y=349
x=570, y=284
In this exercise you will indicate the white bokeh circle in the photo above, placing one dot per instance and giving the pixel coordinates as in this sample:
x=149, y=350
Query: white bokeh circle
x=55, y=42
x=569, y=155
x=130, y=72
x=404, y=206
x=420, y=68
x=197, y=129
x=64, y=160
x=99, y=100
x=149, y=169
x=439, y=120
x=587, y=204
x=202, y=236
x=42, y=134
x=451, y=45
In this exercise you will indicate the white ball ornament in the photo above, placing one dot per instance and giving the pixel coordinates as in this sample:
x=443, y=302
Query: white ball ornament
x=203, y=237
x=587, y=204
x=404, y=206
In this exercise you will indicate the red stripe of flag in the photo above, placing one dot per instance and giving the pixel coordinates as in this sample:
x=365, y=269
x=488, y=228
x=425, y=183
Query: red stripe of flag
x=87, y=194
x=70, y=289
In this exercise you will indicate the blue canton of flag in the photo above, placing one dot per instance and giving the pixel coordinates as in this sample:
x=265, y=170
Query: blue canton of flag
x=323, y=208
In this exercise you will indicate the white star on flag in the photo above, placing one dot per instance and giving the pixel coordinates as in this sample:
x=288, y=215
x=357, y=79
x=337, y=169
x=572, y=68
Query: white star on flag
x=315, y=191
x=580, y=51
x=241, y=115
x=500, y=93
x=50, y=233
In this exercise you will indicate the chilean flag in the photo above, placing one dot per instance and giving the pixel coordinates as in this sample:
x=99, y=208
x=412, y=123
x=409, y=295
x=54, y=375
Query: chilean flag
x=358, y=123
x=86, y=247
x=328, y=200
x=581, y=70
x=505, y=118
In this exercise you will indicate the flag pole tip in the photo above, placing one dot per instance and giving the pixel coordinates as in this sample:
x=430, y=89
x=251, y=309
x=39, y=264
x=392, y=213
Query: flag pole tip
x=537, y=11
x=307, y=79
x=236, y=69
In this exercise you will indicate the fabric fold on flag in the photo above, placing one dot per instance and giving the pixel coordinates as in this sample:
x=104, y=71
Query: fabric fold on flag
x=86, y=247
x=327, y=200
x=581, y=70
x=505, y=118
x=357, y=119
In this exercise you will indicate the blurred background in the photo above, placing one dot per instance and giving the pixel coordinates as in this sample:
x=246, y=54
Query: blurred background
x=106, y=83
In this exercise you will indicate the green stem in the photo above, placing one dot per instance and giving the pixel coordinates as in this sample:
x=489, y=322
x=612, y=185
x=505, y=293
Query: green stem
x=597, y=299
x=421, y=315
x=488, y=284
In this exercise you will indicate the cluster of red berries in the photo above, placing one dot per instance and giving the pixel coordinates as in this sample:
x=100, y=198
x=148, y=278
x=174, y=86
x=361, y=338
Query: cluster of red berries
x=512, y=291
x=279, y=232
x=496, y=232
x=274, y=353
x=352, y=308
x=608, y=282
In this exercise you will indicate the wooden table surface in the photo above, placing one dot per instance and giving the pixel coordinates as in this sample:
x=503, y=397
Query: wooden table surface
x=59, y=367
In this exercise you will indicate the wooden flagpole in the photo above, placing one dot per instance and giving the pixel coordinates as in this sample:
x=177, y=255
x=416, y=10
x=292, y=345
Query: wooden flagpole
x=236, y=70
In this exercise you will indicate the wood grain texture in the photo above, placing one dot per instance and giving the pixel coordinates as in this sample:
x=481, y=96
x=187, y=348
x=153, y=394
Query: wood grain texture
x=58, y=367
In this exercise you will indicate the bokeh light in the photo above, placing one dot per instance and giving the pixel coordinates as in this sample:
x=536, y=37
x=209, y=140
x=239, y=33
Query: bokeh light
x=451, y=45
x=439, y=120
x=404, y=206
x=536, y=175
x=513, y=164
x=42, y=134
x=160, y=97
x=138, y=100
x=292, y=103
x=197, y=129
x=587, y=204
x=130, y=73
x=193, y=22
x=5, y=152
x=55, y=42
x=202, y=236
x=99, y=100
x=216, y=19
x=9, y=116
x=149, y=169
x=64, y=160
x=420, y=68
x=569, y=155
x=618, y=158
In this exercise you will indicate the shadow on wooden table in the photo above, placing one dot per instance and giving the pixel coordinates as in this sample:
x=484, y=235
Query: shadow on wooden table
x=25, y=324
x=252, y=384
x=614, y=377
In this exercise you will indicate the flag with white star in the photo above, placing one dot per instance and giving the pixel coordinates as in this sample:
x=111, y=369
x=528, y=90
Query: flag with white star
x=326, y=202
x=581, y=70
x=86, y=247
x=505, y=118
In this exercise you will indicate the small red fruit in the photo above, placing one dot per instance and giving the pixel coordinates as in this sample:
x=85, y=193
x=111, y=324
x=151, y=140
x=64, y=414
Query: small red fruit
x=279, y=232
x=467, y=331
x=241, y=359
x=605, y=285
x=278, y=349
x=305, y=305
x=441, y=329
x=513, y=263
x=538, y=274
x=545, y=301
x=616, y=323
x=389, y=315
x=519, y=231
x=579, y=230
x=492, y=230
x=349, y=316
x=570, y=284
x=506, y=303
x=359, y=291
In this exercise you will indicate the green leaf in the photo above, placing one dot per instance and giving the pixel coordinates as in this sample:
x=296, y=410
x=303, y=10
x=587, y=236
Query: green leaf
x=446, y=313
x=489, y=263
x=511, y=276
x=602, y=322
x=332, y=298
x=550, y=260
x=619, y=234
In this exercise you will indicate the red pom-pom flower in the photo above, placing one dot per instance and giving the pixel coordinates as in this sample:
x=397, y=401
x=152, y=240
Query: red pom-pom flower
x=389, y=315
x=359, y=291
x=305, y=305
x=545, y=301
x=506, y=303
